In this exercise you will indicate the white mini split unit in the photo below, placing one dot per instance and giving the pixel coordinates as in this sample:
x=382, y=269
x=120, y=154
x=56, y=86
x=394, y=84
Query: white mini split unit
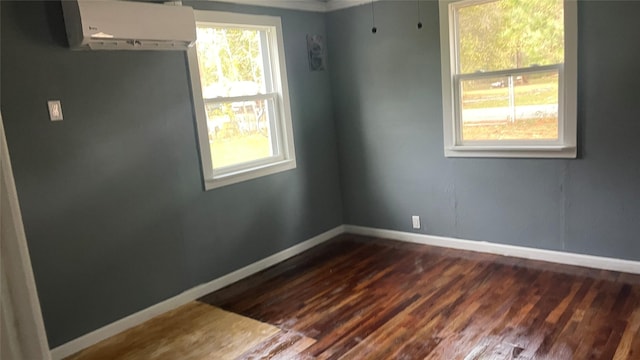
x=128, y=25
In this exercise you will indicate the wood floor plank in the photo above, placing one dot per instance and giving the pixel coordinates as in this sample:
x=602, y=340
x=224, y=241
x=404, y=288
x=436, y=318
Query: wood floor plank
x=358, y=297
x=380, y=299
x=631, y=333
x=284, y=345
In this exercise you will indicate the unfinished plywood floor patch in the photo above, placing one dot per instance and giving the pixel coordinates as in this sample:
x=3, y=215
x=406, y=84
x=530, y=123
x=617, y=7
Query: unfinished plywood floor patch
x=193, y=331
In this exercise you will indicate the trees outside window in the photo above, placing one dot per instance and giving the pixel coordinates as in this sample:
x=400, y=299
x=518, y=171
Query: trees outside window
x=509, y=77
x=241, y=97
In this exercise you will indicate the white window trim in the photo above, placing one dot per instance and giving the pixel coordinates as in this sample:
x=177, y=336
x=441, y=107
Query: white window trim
x=286, y=160
x=566, y=147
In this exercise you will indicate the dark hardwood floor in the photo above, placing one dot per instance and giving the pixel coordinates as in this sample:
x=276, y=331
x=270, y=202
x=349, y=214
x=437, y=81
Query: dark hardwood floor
x=364, y=298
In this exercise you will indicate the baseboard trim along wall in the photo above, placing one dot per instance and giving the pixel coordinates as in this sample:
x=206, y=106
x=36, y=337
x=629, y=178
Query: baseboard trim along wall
x=560, y=257
x=192, y=294
x=132, y=320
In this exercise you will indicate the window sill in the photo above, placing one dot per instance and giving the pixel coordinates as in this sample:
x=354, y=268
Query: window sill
x=248, y=174
x=511, y=151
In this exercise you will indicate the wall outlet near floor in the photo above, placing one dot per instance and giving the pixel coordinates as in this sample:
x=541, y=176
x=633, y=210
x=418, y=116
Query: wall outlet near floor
x=415, y=220
x=55, y=110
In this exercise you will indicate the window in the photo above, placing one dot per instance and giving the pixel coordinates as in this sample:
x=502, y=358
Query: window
x=509, y=77
x=241, y=98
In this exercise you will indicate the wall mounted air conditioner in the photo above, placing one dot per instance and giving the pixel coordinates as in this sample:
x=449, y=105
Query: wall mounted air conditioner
x=128, y=25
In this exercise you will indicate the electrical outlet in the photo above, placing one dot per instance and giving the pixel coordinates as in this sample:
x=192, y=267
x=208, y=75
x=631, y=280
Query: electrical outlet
x=416, y=221
x=55, y=110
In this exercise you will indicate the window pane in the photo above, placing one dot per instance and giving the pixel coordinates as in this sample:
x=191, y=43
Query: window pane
x=510, y=34
x=241, y=132
x=519, y=107
x=231, y=61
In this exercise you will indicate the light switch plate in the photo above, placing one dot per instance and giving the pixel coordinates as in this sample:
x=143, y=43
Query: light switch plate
x=415, y=220
x=55, y=110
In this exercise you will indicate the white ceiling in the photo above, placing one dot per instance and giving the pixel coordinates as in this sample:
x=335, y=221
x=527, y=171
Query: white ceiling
x=307, y=5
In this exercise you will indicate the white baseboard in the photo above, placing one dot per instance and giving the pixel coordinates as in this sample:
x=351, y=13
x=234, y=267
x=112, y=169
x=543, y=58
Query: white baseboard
x=130, y=321
x=192, y=294
x=561, y=257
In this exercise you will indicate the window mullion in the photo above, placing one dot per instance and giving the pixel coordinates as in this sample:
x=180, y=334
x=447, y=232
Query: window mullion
x=231, y=99
x=508, y=72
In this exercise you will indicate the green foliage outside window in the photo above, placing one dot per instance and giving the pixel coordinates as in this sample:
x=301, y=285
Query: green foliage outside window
x=510, y=34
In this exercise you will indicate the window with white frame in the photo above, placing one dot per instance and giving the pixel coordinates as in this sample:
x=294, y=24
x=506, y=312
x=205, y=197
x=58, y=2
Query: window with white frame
x=241, y=97
x=509, y=77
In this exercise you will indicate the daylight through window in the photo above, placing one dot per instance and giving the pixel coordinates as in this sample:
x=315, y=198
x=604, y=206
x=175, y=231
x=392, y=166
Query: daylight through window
x=244, y=123
x=509, y=77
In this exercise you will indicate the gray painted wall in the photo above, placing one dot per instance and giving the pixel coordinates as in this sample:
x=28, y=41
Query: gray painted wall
x=387, y=99
x=112, y=198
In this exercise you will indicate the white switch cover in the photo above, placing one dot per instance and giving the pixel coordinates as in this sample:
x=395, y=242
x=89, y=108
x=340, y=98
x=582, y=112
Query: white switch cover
x=55, y=110
x=416, y=222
